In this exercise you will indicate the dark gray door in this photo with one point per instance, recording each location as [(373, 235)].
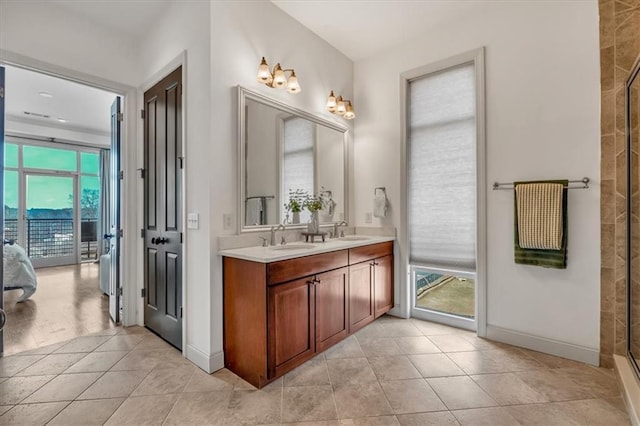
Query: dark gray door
[(115, 290), (163, 208)]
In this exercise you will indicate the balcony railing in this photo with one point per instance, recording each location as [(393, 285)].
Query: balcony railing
[(47, 238)]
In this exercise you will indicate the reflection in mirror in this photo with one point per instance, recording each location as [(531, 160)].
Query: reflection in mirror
[(288, 156), (633, 199)]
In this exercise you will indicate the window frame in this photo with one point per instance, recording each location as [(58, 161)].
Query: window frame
[(407, 273)]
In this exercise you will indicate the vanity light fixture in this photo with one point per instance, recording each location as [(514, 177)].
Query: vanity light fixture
[(278, 78), (339, 106)]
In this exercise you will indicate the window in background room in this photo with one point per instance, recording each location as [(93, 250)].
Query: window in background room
[(441, 193)]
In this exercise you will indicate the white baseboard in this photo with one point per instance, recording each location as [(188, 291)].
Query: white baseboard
[(630, 388), (208, 363), (542, 344)]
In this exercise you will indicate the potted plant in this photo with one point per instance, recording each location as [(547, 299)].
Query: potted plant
[(314, 204), (296, 203)]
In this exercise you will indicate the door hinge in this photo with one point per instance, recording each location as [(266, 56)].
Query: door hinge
[(181, 238), (1, 92), (143, 173), (142, 233), (120, 233), (143, 292), (142, 114), (120, 116), (120, 291), (121, 174), (181, 159), (180, 311)]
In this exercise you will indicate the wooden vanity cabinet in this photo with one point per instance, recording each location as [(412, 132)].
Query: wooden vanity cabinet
[(278, 315)]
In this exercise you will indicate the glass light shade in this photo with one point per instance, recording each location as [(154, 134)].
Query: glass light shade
[(342, 108), (292, 85), (264, 75), (331, 103), (349, 113), (279, 78)]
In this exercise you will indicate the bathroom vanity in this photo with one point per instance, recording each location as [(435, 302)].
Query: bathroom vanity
[(284, 304)]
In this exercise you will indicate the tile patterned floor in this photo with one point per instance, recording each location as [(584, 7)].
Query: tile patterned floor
[(392, 372)]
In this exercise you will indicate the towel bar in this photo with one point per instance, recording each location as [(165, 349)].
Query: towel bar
[(584, 181)]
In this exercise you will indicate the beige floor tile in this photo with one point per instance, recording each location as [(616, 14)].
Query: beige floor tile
[(480, 343), (493, 416), (378, 346), (86, 413), (200, 409), (553, 386), (460, 393), (411, 396), (230, 378), (152, 342), (44, 350), (416, 345), (593, 412), (599, 383), (393, 368), (508, 389), (32, 414), (513, 359), (135, 329), (316, 423), (143, 410), (348, 348), (540, 415), (121, 342), (452, 343), (5, 408), (371, 421), (551, 361), (114, 384), (617, 402), (65, 387), (350, 371), (434, 329), (82, 344), (400, 328), (52, 364), (200, 381), (16, 389), (255, 406), (435, 365), (361, 401), (12, 365), (107, 332), (441, 418), (374, 329), (308, 403), (140, 360), (165, 381), (312, 373), (96, 362), (477, 362)]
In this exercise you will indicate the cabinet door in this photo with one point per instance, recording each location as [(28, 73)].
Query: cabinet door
[(360, 295), (291, 337), (331, 307), (383, 279)]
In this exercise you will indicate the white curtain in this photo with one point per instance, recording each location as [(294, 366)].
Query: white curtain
[(103, 219), (297, 167), (442, 169)]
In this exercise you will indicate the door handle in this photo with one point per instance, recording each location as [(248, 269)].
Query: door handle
[(108, 236), (159, 240)]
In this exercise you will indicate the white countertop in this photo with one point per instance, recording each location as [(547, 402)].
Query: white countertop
[(301, 249)]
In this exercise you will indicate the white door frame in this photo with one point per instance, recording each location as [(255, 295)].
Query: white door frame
[(129, 264)]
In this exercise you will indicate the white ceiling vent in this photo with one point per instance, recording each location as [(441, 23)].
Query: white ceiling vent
[(35, 114)]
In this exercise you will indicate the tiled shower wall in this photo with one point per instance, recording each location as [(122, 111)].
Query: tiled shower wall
[(619, 48)]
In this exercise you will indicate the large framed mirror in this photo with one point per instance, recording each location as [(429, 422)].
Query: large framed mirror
[(286, 154), (633, 217)]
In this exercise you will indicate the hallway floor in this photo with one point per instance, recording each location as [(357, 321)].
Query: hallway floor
[(392, 372), (68, 303)]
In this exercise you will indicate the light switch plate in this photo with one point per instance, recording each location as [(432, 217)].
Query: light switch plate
[(192, 221)]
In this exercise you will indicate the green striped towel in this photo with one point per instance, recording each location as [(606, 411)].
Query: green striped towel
[(538, 257)]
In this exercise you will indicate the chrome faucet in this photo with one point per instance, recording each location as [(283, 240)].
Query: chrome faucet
[(273, 233), (335, 228)]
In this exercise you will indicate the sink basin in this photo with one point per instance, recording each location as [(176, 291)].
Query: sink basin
[(354, 238), (293, 247)]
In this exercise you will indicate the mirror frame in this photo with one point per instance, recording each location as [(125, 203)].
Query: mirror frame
[(245, 94)]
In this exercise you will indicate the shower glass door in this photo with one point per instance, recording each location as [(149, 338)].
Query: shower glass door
[(50, 225)]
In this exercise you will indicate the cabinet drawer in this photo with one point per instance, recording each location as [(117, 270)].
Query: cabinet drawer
[(372, 251), (287, 270)]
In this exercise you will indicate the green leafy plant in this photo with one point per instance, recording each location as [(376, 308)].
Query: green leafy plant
[(313, 203), (296, 201)]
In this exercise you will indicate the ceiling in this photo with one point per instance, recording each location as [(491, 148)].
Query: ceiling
[(82, 107), (362, 28)]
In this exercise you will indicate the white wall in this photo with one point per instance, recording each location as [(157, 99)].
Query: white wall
[(243, 32), (542, 108)]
